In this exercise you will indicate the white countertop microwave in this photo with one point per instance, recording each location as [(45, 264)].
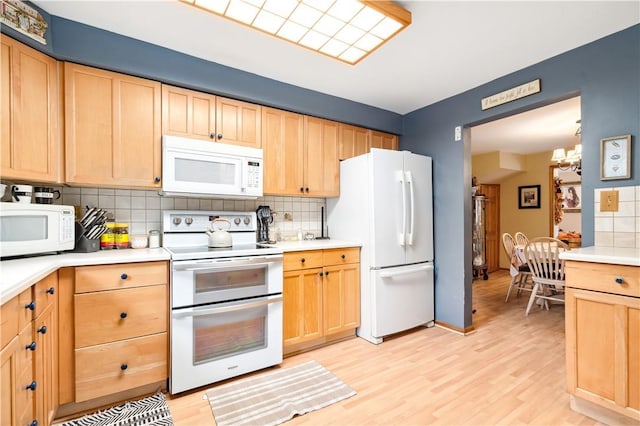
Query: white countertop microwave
[(35, 228), (199, 168)]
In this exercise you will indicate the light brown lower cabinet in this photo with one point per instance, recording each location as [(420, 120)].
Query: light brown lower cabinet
[(321, 297), (29, 362), (602, 318)]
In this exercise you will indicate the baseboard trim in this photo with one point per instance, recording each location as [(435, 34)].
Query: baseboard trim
[(599, 413), (462, 331)]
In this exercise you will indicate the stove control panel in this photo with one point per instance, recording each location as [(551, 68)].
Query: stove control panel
[(199, 221)]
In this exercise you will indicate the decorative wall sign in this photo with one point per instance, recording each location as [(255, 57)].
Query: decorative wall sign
[(509, 95), (615, 158), (24, 19)]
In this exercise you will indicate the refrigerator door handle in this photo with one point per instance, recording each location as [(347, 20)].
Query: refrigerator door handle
[(391, 274), (409, 179), (401, 237)]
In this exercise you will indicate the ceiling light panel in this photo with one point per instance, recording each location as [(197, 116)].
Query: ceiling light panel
[(347, 30)]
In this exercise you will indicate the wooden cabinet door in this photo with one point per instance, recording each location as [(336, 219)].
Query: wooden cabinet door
[(492, 226), (603, 349), (383, 140), (302, 293), (31, 145), (46, 365), (354, 141), (283, 143), (321, 166), (112, 128), (341, 297), (16, 373), (188, 113), (238, 123)]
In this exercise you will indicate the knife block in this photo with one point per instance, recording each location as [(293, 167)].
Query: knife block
[(84, 244)]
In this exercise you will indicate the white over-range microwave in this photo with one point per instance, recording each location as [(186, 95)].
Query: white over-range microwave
[(196, 168), (35, 228)]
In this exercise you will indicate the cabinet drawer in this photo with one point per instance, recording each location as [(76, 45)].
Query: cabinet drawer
[(119, 314), (123, 275), (302, 260), (602, 277), (46, 292), (115, 367), (14, 316), (341, 256)]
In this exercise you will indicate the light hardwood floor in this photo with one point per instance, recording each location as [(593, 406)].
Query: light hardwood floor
[(510, 371)]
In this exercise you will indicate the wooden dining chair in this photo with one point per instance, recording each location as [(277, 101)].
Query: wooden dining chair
[(521, 239), (519, 279), (547, 270)]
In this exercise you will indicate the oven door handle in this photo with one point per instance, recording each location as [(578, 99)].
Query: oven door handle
[(212, 264), (195, 312)]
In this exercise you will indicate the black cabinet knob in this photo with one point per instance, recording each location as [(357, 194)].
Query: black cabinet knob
[(156, 179), (301, 189), (124, 276), (43, 329), (123, 315), (51, 290), (320, 273), (32, 386), (31, 306), (619, 280), (31, 347), (343, 256), (34, 423), (306, 189), (124, 367), (303, 260), (219, 136), (326, 273)]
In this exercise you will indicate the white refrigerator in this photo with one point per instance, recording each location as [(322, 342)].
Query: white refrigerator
[(386, 203)]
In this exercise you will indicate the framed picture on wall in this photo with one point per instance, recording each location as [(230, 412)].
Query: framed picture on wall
[(615, 158), (529, 197), (571, 194)]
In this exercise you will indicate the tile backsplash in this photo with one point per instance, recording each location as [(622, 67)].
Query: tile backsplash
[(620, 228), (142, 210)]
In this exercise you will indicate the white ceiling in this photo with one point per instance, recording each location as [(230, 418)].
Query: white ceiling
[(450, 47)]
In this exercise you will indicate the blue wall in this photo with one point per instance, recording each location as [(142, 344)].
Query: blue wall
[(605, 73)]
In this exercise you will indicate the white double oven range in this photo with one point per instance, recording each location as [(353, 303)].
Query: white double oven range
[(226, 302)]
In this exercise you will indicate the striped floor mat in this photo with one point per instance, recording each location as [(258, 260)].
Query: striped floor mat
[(148, 411), (275, 397)]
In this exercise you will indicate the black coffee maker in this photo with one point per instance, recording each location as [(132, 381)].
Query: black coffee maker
[(265, 217)]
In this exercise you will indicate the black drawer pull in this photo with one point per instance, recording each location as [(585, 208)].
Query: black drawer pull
[(124, 276), (303, 260), (43, 329), (32, 386), (124, 367), (31, 347), (31, 306), (34, 423), (619, 280), (343, 256), (51, 290), (123, 315)]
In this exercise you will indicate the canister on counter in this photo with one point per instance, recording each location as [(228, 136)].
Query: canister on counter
[(108, 240), (121, 232)]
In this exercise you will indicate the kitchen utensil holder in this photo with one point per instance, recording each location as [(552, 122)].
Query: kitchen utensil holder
[(84, 244)]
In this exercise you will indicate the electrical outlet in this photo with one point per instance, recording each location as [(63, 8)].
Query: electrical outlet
[(609, 201), (457, 133)]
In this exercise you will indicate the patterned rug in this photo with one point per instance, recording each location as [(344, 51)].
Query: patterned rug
[(275, 397), (152, 410)]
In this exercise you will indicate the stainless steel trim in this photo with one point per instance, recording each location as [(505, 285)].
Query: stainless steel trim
[(194, 312)]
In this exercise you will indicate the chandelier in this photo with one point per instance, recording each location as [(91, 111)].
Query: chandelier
[(572, 159)]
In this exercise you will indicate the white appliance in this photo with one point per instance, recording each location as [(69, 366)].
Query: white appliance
[(192, 167), (226, 302), (386, 204), (27, 229)]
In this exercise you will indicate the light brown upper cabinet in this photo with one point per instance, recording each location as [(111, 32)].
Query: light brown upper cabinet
[(321, 166), (198, 115), (112, 132), (283, 150), (31, 131), (383, 140), (353, 141)]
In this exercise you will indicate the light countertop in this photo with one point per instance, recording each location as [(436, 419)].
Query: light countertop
[(313, 245), (597, 254), (17, 275)]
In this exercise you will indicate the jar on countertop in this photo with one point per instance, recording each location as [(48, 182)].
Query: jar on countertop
[(121, 232), (108, 239)]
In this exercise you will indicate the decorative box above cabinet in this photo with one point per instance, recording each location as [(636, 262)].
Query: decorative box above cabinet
[(112, 128), (198, 115), (31, 145)]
